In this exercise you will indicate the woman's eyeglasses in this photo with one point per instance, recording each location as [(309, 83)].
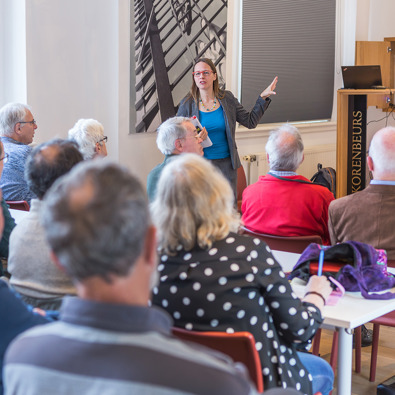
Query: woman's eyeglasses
[(206, 73)]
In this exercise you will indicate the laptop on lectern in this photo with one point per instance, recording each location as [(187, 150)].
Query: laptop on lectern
[(362, 77)]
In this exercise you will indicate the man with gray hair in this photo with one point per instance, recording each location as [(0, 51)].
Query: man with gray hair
[(175, 136), (283, 203), (368, 216), (17, 127), (108, 339), (89, 135), (33, 276)]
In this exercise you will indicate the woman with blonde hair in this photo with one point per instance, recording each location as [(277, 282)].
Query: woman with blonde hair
[(213, 279)]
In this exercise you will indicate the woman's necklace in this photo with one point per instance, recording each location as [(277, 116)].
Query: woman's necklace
[(209, 109)]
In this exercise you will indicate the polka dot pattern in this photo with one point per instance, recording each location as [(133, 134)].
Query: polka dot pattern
[(237, 285), (213, 251)]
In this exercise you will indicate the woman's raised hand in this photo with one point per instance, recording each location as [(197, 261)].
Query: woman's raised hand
[(270, 89)]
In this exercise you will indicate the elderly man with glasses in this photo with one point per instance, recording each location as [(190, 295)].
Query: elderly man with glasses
[(176, 136), (17, 128), (89, 135)]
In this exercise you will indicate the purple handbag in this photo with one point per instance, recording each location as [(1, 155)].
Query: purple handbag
[(363, 268)]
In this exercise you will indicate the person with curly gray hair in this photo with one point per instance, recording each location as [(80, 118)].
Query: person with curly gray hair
[(89, 135)]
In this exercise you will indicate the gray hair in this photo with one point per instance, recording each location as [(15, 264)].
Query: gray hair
[(194, 205), (96, 219), (49, 161), (381, 150), (86, 133), (285, 148), (168, 132), (10, 114)]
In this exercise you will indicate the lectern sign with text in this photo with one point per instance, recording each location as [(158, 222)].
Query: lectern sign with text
[(356, 155)]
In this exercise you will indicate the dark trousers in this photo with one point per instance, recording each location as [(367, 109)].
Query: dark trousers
[(225, 165)]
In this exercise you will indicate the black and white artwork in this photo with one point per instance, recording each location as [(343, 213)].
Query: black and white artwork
[(168, 36)]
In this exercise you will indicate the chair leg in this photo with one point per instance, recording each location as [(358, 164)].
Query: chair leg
[(375, 348), (357, 339), (316, 342), (335, 343)]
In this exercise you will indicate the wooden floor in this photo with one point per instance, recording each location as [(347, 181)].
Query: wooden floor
[(385, 361)]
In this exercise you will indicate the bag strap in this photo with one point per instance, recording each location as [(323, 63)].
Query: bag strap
[(297, 180)]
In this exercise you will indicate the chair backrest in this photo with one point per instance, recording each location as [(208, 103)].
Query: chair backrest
[(391, 262), (241, 185), (18, 205), (240, 346), (285, 243)]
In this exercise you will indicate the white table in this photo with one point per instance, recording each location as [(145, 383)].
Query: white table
[(350, 312), (18, 214)]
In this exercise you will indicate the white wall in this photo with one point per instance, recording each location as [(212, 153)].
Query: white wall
[(375, 21), (12, 51), (78, 67)]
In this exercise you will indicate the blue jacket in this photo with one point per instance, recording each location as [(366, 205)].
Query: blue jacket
[(15, 318), (233, 112)]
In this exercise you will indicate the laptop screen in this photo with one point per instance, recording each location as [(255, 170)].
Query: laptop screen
[(361, 77)]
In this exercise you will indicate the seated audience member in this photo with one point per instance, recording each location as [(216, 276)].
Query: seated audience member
[(33, 275), (9, 222), (17, 127), (14, 316), (108, 340), (283, 203), (177, 135), (213, 279), (368, 216), (89, 135)]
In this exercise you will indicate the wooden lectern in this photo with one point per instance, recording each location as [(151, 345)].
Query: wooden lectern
[(346, 183)]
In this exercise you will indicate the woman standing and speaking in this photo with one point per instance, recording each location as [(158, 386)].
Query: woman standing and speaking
[(218, 111)]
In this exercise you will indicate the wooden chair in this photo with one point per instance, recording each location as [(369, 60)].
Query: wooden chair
[(241, 185), (295, 244), (22, 205), (240, 346)]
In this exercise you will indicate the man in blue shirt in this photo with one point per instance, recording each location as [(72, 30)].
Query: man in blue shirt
[(17, 128)]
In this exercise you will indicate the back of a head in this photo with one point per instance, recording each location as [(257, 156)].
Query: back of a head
[(87, 132), (10, 114), (168, 132), (96, 218), (285, 148), (49, 161), (381, 150), (194, 204)]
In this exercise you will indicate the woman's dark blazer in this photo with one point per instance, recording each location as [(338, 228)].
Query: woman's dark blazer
[(233, 112)]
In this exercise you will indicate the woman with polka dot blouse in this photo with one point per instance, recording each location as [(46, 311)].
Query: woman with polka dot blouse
[(212, 279)]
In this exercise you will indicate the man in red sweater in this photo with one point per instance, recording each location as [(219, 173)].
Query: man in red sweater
[(283, 203)]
